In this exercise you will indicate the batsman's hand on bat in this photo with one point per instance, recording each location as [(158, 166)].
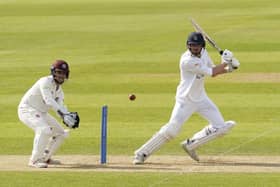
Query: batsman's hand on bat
[(227, 56), (230, 60), (70, 119)]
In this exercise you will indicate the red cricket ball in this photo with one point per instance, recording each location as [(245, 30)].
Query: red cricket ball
[(132, 97)]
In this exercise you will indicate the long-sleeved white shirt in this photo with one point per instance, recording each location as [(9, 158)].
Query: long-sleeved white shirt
[(193, 71), (44, 95)]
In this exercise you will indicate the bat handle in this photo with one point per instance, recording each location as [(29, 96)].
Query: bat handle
[(221, 52)]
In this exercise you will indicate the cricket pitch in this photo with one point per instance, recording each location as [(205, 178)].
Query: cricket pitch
[(123, 163)]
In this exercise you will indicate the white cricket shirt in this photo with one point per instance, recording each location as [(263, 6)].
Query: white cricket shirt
[(193, 71), (44, 95)]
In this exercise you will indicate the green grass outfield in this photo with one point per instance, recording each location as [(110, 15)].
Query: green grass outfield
[(119, 47), (45, 179)]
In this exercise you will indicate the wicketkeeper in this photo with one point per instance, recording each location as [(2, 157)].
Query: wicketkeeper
[(33, 110), (195, 65)]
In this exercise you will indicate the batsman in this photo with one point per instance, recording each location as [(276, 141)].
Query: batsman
[(195, 66), (33, 111)]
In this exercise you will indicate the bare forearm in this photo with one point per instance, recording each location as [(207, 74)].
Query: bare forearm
[(219, 69)]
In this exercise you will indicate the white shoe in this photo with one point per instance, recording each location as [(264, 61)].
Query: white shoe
[(191, 152), (38, 164), (139, 159)]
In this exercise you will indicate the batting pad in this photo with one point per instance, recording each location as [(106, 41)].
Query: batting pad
[(210, 135), (152, 145)]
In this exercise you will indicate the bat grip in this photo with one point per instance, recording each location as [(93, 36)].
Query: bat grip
[(221, 52)]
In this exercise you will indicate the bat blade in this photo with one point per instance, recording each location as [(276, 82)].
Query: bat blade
[(206, 36)]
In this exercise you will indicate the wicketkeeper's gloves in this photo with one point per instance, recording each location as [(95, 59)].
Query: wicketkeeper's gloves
[(70, 119)]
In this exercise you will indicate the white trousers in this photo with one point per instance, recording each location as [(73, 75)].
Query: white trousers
[(45, 127), (180, 114), (183, 110)]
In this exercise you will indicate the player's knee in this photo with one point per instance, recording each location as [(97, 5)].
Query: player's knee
[(65, 133), (170, 130), (62, 134), (228, 125), (44, 130)]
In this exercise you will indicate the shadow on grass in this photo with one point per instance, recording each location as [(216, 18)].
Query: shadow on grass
[(113, 167)]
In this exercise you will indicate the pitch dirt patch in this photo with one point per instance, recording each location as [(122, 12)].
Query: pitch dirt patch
[(179, 164)]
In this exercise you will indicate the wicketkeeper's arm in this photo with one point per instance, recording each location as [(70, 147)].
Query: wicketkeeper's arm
[(45, 89)]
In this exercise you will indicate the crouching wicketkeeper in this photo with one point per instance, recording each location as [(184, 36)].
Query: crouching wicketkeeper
[(33, 109)]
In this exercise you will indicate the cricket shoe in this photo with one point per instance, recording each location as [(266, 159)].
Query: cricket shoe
[(38, 164), (139, 159), (191, 152)]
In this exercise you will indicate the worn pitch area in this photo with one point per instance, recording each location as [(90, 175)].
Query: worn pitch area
[(179, 164)]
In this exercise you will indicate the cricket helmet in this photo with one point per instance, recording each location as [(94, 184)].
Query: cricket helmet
[(60, 65), (196, 38)]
